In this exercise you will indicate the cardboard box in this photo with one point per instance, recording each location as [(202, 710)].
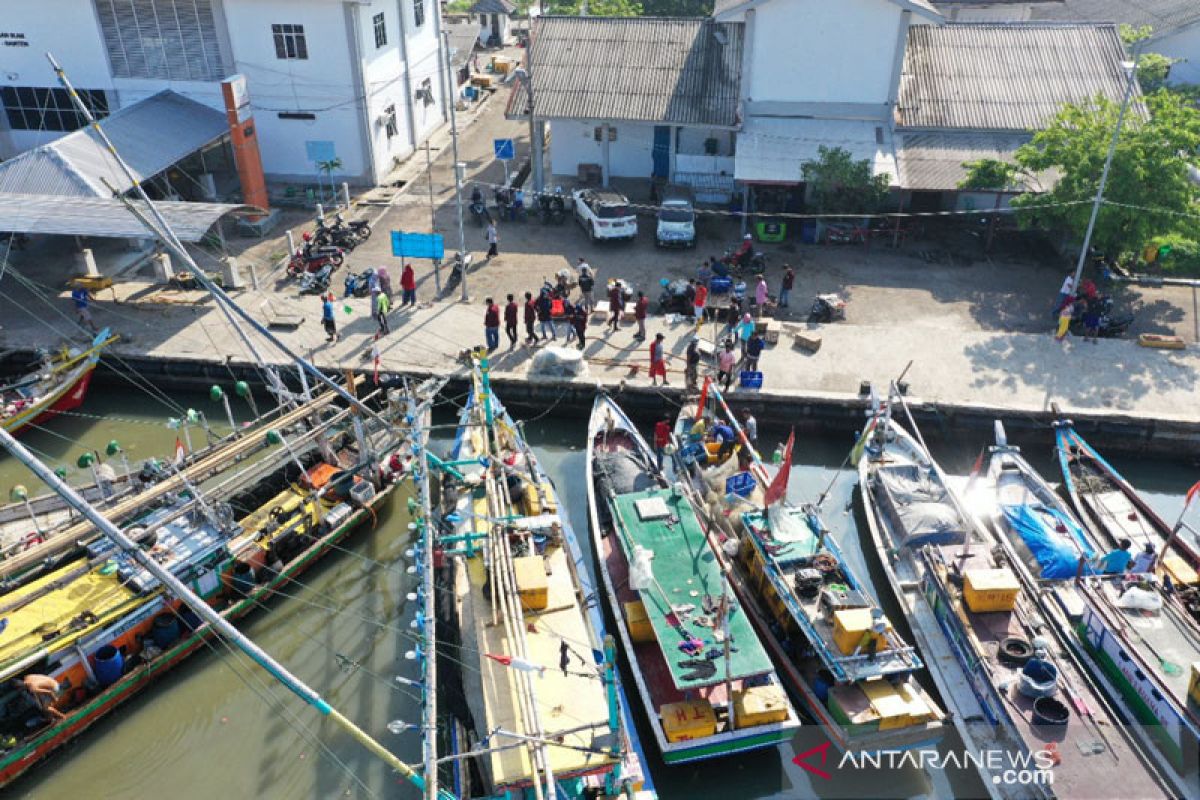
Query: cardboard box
[(990, 589), (689, 719), (640, 629), (759, 705), (532, 584), (850, 625)]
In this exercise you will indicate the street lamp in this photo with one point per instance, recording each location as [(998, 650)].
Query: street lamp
[(1131, 79)]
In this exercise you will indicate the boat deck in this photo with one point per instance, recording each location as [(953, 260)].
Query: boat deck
[(687, 571)]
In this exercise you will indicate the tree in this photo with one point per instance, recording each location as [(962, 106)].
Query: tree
[(838, 184), (677, 8), (1148, 190), (596, 8), (1152, 67)]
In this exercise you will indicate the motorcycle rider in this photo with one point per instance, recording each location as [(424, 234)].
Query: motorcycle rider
[(743, 255)]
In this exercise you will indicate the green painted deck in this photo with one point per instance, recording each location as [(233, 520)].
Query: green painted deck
[(687, 570)]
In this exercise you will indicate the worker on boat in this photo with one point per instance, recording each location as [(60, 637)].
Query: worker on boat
[(874, 639), (1115, 562), (1144, 562), (723, 434), (44, 692)]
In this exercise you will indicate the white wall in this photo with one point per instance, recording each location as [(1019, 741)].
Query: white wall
[(1183, 44), (573, 143), (821, 51)]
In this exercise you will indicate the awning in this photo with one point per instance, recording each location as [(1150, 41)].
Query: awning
[(150, 136), (104, 217), (773, 149), (934, 161)]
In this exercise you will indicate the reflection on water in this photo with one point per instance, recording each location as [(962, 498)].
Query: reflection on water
[(215, 724)]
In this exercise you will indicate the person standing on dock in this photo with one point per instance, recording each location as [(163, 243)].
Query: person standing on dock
[(726, 361), (587, 286), (616, 305), (385, 281), (530, 318), (493, 240), (761, 296), (785, 287), (545, 320), (510, 321), (82, 299), (328, 320), (698, 302), (754, 349), (491, 324), (639, 313), (408, 287), (658, 361), (381, 307), (692, 369), (580, 320)]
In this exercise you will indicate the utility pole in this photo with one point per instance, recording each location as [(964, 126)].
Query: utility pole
[(1112, 149), (437, 265), (462, 236), (536, 132)]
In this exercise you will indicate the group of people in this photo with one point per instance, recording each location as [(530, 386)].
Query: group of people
[(1085, 303), (379, 292)]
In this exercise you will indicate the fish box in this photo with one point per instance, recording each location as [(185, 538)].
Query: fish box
[(896, 706), (640, 629), (849, 627), (1180, 571), (990, 589), (1194, 684), (688, 719), (759, 705), (532, 584)]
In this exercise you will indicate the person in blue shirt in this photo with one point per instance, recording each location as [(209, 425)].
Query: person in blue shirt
[(722, 433), (1115, 562), (82, 299), (328, 320)]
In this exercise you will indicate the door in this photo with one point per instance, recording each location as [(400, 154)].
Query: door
[(662, 152), (496, 28)]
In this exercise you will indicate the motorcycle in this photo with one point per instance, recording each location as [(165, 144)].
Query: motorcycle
[(308, 260), (675, 297), (750, 261), (1111, 325), (358, 285), (359, 227), (827, 308), (552, 209), (316, 282), (337, 235)]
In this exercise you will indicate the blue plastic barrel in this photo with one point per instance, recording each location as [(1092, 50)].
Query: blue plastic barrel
[(243, 578), (108, 664), (165, 631)]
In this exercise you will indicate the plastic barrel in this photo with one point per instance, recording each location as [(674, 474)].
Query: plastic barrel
[(1048, 711), (108, 664), (243, 578), (165, 631)]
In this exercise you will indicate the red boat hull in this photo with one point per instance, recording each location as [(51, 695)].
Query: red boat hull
[(68, 401)]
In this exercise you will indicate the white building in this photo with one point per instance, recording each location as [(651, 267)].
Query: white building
[(359, 81)]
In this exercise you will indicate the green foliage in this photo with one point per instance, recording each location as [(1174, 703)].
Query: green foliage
[(990, 174), (1152, 67), (596, 8), (1131, 35), (840, 185), (1182, 255), (459, 6), (1148, 189), (677, 8)]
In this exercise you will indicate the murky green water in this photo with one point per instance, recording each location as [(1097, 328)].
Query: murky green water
[(214, 726)]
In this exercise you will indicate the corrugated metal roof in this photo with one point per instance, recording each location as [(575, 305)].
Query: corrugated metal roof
[(934, 161), (463, 39), (150, 135), (103, 216), (493, 7), (1161, 15), (1013, 76), (773, 150), (647, 69)]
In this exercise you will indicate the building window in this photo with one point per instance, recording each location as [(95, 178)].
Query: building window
[(598, 133), (418, 12), (289, 42), (37, 109), (380, 30), (165, 39)]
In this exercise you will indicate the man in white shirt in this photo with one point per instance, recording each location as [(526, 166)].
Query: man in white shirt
[(1144, 561)]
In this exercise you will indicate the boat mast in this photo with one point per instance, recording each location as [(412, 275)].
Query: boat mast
[(207, 613), (429, 628)]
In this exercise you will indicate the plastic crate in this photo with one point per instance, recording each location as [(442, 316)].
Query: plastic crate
[(719, 285), (750, 380)]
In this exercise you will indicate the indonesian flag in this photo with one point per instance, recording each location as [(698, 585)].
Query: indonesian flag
[(180, 452), (703, 398), (778, 487)]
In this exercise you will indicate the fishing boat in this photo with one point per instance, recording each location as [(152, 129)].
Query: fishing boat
[(58, 384), (704, 678), (1048, 551), (542, 689), (804, 599), (102, 626)]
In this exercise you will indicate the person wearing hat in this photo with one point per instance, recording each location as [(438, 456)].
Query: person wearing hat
[(658, 361), (1144, 561)]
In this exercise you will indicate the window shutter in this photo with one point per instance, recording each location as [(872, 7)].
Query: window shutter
[(166, 39)]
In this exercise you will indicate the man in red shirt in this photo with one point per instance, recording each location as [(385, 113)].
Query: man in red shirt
[(662, 437), (530, 318), (510, 322), (408, 287), (658, 361), (698, 303), (491, 324), (639, 313), (616, 305)]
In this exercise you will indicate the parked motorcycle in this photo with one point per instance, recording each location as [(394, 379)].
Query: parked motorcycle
[(358, 285), (677, 297), (744, 261), (552, 208), (316, 282), (359, 227), (1112, 325), (337, 235), (827, 308), (307, 260)]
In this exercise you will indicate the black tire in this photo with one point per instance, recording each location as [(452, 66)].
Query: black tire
[(592, 232), (364, 232), (337, 259)]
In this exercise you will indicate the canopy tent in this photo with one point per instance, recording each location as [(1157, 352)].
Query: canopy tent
[(106, 217)]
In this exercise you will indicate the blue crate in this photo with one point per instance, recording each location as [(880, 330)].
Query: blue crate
[(719, 285), (750, 380)]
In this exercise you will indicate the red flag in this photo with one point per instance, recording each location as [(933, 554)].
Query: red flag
[(1191, 494), (703, 397), (180, 451), (778, 487)]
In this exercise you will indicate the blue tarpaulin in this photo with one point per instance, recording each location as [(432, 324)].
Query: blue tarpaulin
[(1053, 538), (418, 245)]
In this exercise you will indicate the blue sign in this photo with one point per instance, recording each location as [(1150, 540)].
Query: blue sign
[(317, 151), (741, 484), (418, 245), (505, 150)]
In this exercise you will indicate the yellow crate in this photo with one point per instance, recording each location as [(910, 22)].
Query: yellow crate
[(1180, 571), (689, 719), (990, 589), (897, 707), (547, 499), (849, 626), (640, 629), (532, 584), (532, 500), (759, 705), (1194, 684)]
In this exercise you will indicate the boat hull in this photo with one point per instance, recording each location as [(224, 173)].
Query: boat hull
[(68, 398)]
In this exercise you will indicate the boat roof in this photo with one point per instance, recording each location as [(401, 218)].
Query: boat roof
[(663, 521)]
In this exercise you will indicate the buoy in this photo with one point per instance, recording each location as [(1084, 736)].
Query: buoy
[(61, 472), (18, 494), (113, 448), (242, 388), (85, 460), (273, 437), (216, 393)]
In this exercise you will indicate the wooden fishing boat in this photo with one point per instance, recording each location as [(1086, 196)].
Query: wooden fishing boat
[(1045, 547), (807, 604), (58, 384), (705, 679), (542, 689), (102, 627)]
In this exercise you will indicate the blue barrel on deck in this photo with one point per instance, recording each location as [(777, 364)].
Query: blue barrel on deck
[(165, 631), (108, 664)]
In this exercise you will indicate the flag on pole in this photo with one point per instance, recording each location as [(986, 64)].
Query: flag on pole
[(778, 487), (703, 397), (180, 452)]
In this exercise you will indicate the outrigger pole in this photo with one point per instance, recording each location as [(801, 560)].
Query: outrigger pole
[(160, 228), (207, 613)]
